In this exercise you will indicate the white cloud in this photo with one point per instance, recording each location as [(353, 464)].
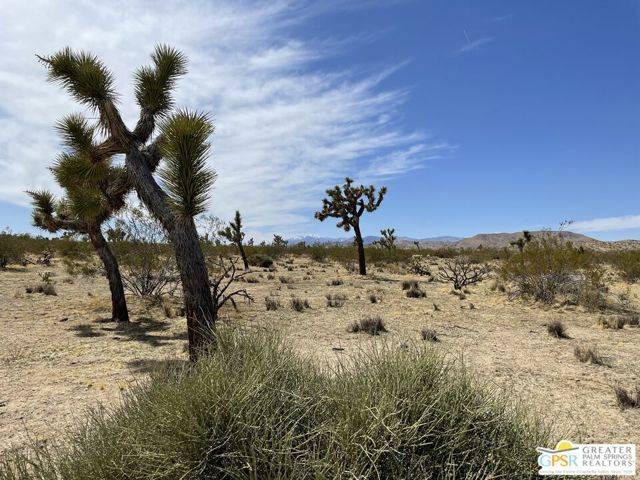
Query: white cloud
[(606, 224), (475, 44), (285, 130)]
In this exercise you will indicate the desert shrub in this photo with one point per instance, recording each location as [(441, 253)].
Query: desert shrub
[(285, 279), (429, 334), (373, 298), (549, 267), (335, 282), (255, 409), (617, 322), (588, 355), (371, 325), (335, 300), (418, 266), (462, 271), (407, 284), (299, 304), (147, 264), (271, 276), (556, 329), (626, 398), (627, 264), (271, 303), (46, 286), (415, 292), (260, 260), (12, 249)]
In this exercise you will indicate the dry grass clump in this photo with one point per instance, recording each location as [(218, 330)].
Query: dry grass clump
[(371, 325), (256, 409), (617, 322), (271, 303), (299, 304), (588, 355), (408, 284), (335, 282), (429, 334), (285, 280), (557, 329), (497, 285), (335, 300), (627, 398), (415, 292), (373, 298)]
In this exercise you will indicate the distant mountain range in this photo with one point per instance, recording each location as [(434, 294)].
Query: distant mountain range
[(488, 240)]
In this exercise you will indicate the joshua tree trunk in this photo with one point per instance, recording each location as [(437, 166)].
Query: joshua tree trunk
[(360, 245), (119, 312), (243, 255), (182, 232)]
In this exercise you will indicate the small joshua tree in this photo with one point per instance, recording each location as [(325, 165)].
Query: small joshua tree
[(83, 211), (523, 240), (182, 144), (388, 238), (348, 203), (235, 235)]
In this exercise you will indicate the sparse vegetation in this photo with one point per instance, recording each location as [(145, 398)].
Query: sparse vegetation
[(462, 271), (371, 325), (588, 354), (336, 423), (627, 398), (429, 335), (299, 304), (271, 303), (335, 300), (557, 329), (234, 234), (415, 292)]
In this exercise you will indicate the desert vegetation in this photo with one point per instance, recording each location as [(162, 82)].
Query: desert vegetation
[(349, 368)]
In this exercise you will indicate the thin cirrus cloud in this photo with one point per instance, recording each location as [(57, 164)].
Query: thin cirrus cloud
[(608, 224), (285, 129), (470, 46)]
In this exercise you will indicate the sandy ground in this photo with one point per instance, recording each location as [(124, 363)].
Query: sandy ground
[(58, 357)]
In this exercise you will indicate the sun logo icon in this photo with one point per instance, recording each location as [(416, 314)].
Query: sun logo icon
[(559, 457)]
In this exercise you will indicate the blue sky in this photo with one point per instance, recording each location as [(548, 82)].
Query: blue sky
[(478, 116)]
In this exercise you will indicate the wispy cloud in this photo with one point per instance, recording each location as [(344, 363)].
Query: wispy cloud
[(502, 18), (475, 44), (607, 224), (285, 130)]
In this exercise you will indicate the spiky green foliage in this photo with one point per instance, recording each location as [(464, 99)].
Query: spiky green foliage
[(73, 171), (388, 238), (77, 133), (184, 145), (155, 84), (83, 75), (254, 409), (348, 203), (233, 233)]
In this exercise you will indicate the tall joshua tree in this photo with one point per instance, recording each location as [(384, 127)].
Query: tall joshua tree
[(348, 203), (235, 235), (388, 238), (83, 211), (182, 144)]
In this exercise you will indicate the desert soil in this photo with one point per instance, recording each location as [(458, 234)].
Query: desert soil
[(59, 357)]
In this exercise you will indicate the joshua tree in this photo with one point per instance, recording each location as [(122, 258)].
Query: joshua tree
[(279, 242), (417, 244), (182, 145), (83, 211), (388, 238), (523, 240), (348, 203), (235, 235)]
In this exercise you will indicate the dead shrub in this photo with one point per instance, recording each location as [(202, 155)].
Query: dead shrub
[(627, 398), (415, 292), (462, 271), (299, 304), (557, 329), (588, 355), (335, 300), (271, 303), (428, 334), (371, 325)]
